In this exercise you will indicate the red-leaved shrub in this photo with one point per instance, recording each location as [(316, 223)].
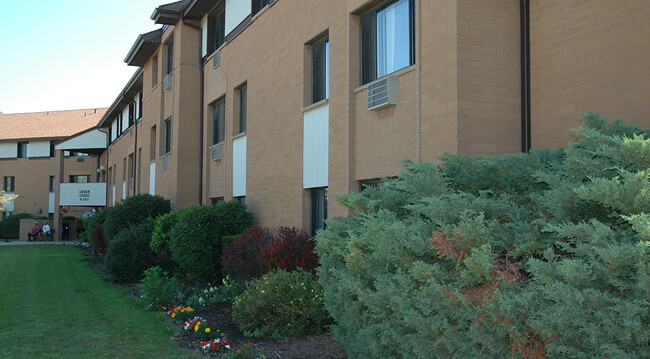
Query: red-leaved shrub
[(258, 252), (98, 239)]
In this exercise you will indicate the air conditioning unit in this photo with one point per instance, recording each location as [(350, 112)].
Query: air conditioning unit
[(130, 182), (164, 162), (216, 59), (216, 152), (167, 81), (382, 93)]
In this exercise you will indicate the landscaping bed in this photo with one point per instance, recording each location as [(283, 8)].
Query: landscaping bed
[(316, 346)]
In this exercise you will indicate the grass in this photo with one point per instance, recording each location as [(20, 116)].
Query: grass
[(53, 306)]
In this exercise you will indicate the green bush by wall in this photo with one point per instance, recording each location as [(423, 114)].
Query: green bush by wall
[(132, 210), (530, 256), (129, 254)]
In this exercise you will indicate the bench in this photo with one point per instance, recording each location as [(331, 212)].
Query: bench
[(36, 237)]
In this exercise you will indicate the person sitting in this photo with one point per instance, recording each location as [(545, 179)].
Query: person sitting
[(36, 230), (47, 231)]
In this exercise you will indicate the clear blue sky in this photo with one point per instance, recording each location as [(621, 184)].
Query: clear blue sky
[(67, 54)]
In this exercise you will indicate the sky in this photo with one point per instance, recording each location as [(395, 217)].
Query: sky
[(68, 54)]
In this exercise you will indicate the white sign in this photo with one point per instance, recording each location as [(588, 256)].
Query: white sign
[(83, 194)]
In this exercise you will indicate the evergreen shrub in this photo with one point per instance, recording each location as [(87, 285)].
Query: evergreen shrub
[(195, 240), (129, 254), (10, 226), (526, 256), (281, 304), (133, 210)]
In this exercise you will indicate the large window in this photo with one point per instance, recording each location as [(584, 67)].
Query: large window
[(168, 135), (318, 209), (170, 56), (216, 29), (22, 149), (320, 70), (51, 189), (243, 108), (80, 179), (218, 122), (154, 71), (9, 184), (387, 39), (257, 5)]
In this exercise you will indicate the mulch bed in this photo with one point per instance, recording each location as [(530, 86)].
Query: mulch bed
[(317, 346)]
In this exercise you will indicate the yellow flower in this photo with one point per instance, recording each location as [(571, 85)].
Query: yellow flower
[(173, 314), (207, 330), (196, 328)]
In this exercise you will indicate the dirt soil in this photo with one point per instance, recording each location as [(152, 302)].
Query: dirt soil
[(308, 347)]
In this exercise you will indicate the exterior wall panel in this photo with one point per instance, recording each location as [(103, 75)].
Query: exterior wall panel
[(8, 149), (316, 147), (39, 149), (236, 12), (239, 167)]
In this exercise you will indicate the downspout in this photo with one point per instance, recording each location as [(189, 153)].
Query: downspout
[(201, 100), (524, 12)]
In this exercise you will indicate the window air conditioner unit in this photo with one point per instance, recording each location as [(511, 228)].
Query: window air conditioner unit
[(382, 93), (164, 162), (216, 152), (167, 81), (216, 59)]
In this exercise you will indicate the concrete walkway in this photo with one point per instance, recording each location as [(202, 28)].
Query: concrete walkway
[(23, 243)]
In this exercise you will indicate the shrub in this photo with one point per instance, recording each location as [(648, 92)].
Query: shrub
[(158, 288), (195, 240), (537, 255), (243, 259), (258, 251), (98, 240), (10, 226), (92, 222), (163, 226), (133, 210), (129, 254), (281, 304)]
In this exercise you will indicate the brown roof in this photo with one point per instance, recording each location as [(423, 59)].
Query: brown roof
[(52, 124)]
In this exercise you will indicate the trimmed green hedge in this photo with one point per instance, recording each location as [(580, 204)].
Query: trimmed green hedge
[(129, 254), (133, 210), (527, 255)]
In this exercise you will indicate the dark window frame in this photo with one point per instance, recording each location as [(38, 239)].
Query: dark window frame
[(139, 114), (9, 184), (320, 70), (216, 29), (76, 178), (243, 109), (52, 183), (168, 135), (22, 149), (219, 122), (257, 5), (318, 209), (170, 56), (368, 45)]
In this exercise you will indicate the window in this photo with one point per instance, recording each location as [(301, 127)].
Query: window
[(168, 135), (216, 29), (52, 149), (170, 56), (154, 71), (9, 184), (216, 200), (318, 209), (320, 70), (364, 185), (51, 184), (139, 115), (130, 169), (243, 115), (80, 179), (152, 144), (218, 122), (257, 5), (241, 200), (131, 114), (22, 149), (387, 39)]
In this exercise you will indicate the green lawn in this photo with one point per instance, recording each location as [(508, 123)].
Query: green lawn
[(53, 306)]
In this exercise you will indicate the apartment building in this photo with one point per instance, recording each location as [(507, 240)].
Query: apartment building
[(28, 163), (281, 104)]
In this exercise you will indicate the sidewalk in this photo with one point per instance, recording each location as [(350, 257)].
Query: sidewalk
[(23, 243)]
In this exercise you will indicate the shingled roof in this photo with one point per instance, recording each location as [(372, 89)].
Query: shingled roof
[(50, 125)]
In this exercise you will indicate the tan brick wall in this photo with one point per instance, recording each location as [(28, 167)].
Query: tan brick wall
[(32, 178), (587, 55)]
